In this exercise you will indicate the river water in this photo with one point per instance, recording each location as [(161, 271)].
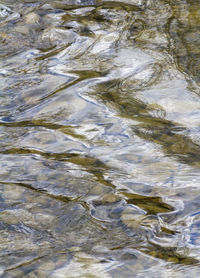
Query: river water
[(100, 138)]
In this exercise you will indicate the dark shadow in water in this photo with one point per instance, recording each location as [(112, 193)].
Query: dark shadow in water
[(183, 28), (42, 191), (91, 164), (169, 254), (152, 205), (151, 128)]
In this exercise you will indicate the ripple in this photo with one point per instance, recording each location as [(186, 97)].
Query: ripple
[(99, 152)]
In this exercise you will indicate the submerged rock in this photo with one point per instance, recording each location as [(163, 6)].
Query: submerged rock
[(58, 36), (4, 11), (31, 18)]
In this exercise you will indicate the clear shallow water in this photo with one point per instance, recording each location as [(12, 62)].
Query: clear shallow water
[(99, 127)]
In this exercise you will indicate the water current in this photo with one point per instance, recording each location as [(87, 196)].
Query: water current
[(100, 138)]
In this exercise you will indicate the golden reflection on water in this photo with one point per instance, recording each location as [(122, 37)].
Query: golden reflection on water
[(99, 128)]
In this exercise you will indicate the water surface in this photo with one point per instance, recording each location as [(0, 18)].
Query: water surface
[(100, 138)]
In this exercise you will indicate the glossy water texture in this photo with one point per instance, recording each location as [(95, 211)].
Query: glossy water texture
[(100, 138)]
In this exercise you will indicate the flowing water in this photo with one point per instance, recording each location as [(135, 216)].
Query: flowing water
[(100, 138)]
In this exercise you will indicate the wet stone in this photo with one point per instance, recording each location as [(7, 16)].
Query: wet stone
[(31, 18), (58, 36), (110, 198), (4, 11), (131, 220)]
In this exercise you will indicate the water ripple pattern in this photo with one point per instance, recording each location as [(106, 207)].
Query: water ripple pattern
[(100, 138)]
